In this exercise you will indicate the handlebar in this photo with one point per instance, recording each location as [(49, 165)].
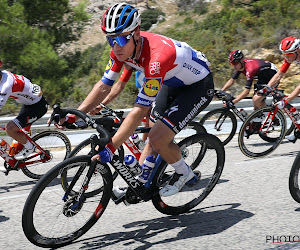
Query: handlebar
[(63, 112), (223, 95)]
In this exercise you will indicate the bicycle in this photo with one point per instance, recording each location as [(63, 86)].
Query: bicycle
[(222, 121), (111, 121), (265, 128), (54, 217), (51, 147)]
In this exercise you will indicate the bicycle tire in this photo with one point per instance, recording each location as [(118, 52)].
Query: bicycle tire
[(210, 165), (290, 129), (59, 147), (254, 142), (84, 148), (220, 122), (294, 179), (50, 221)]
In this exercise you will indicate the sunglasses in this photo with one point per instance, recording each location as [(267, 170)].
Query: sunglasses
[(288, 54), (121, 40)]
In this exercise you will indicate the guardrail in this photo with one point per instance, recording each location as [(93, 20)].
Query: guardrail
[(246, 104)]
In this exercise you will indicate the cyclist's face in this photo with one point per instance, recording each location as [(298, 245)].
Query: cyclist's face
[(290, 57), (123, 52), (237, 66)]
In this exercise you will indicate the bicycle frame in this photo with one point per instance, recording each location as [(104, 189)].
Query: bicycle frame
[(13, 163)]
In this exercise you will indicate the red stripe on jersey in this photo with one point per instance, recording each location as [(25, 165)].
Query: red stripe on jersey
[(19, 82)]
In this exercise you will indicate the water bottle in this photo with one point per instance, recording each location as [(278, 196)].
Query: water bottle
[(243, 113), (147, 168), (137, 141), (133, 165), (296, 113), (13, 147), (3, 144)]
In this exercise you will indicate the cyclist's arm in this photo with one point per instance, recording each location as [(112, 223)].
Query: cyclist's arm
[(96, 96), (276, 78), (294, 94), (241, 96), (228, 84)]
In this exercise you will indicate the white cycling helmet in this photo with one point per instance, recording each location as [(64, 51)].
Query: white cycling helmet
[(120, 18), (289, 44)]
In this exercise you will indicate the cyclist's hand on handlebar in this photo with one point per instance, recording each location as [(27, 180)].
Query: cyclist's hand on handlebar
[(265, 90), (281, 104), (106, 155), (64, 122)]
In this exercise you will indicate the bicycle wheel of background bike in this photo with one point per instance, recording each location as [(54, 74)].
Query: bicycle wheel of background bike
[(56, 144), (294, 179), (257, 140), (220, 122), (85, 148), (210, 167), (52, 220)]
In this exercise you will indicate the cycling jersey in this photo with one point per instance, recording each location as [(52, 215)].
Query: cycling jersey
[(256, 69), (285, 66), (19, 88), (163, 61)]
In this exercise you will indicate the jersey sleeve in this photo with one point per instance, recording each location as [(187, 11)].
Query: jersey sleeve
[(285, 66), (112, 70), (154, 75), (236, 75), (6, 91), (126, 74)]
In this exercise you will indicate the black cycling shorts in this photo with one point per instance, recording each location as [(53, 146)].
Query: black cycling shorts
[(177, 106), (30, 113)]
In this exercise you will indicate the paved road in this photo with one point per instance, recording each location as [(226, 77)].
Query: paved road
[(250, 204)]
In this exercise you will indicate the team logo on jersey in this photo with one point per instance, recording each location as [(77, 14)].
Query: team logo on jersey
[(154, 68), (109, 65), (151, 87)]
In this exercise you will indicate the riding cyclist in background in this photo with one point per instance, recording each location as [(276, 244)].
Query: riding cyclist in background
[(34, 107), (290, 47), (258, 69), (177, 78)]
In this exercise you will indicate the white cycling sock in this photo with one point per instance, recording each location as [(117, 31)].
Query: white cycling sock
[(28, 145), (181, 167)]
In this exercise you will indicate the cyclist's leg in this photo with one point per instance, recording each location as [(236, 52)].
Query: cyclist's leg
[(28, 114), (173, 118)]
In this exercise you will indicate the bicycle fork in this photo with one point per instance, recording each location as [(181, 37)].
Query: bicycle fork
[(84, 186)]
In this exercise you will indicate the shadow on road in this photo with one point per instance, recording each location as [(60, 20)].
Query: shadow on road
[(200, 222), (3, 218)]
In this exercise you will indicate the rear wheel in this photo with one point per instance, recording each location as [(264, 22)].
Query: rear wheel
[(259, 134), (53, 219), (220, 122), (209, 167), (56, 144)]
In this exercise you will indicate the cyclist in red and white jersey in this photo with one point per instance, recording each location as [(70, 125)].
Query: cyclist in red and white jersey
[(290, 48), (34, 106), (258, 69), (177, 78)]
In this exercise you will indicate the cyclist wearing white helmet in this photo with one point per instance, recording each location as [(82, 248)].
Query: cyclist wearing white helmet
[(290, 48), (177, 78)]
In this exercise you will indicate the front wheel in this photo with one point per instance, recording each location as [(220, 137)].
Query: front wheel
[(260, 134), (51, 218), (294, 179), (56, 144), (220, 122), (208, 167)]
